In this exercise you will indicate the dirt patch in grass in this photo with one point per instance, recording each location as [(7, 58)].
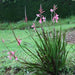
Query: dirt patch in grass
[(70, 36)]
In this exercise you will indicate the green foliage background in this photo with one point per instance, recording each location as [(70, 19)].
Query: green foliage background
[(13, 10)]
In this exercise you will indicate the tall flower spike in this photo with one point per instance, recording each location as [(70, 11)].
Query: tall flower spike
[(55, 7), (25, 15), (41, 10)]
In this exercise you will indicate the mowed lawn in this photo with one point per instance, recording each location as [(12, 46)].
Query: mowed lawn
[(25, 36), (12, 45)]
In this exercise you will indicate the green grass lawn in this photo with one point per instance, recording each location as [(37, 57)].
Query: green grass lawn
[(22, 25), (24, 35)]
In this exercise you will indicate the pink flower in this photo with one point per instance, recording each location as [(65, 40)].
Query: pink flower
[(16, 58), (55, 18), (51, 10), (19, 41), (38, 15), (40, 21), (10, 57), (54, 8), (33, 26), (3, 40), (11, 54), (44, 19)]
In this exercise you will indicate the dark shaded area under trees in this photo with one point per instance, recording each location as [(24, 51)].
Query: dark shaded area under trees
[(14, 10)]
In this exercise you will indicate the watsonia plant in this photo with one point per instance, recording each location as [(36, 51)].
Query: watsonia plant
[(51, 53)]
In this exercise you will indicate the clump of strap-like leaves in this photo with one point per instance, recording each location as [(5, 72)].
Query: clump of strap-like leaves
[(51, 53)]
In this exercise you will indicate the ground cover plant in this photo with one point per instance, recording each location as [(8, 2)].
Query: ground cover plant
[(43, 59)]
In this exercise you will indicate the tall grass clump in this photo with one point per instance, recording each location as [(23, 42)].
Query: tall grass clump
[(51, 54)]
